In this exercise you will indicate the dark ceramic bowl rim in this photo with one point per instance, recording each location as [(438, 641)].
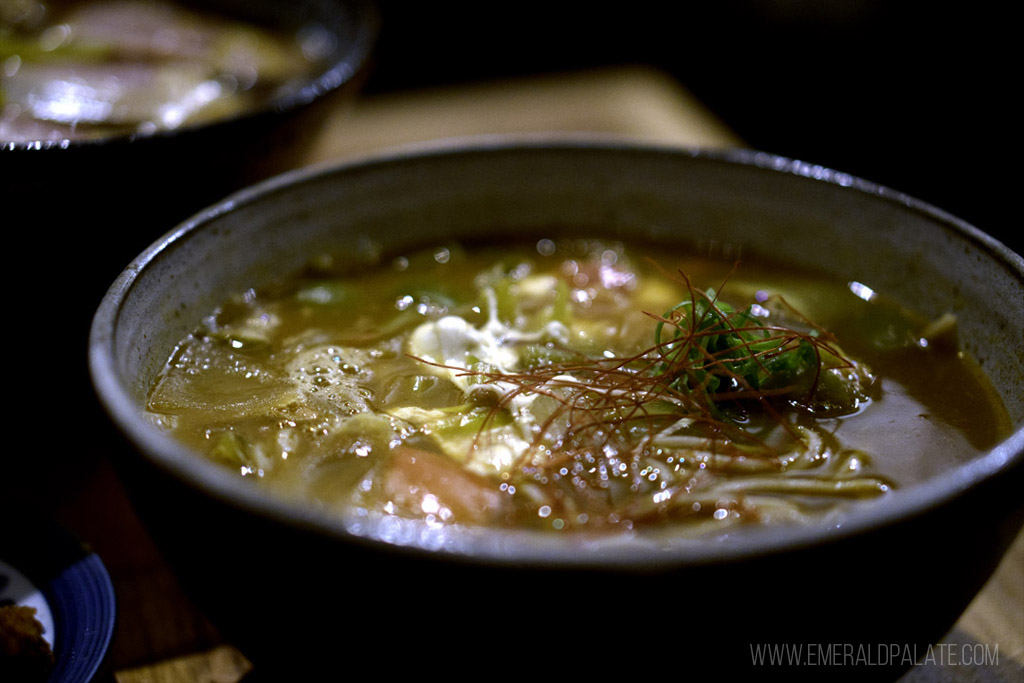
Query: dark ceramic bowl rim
[(513, 547), (341, 69)]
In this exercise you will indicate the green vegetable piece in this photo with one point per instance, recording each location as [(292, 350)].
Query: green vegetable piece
[(434, 295), (231, 450), (537, 355), (533, 301), (714, 350)]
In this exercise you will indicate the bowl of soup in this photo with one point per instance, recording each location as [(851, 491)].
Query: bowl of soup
[(597, 404), (143, 111), (120, 118)]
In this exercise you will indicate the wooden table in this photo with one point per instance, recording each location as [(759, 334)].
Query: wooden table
[(163, 638)]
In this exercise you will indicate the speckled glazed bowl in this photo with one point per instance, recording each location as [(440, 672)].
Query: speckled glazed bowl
[(293, 586)]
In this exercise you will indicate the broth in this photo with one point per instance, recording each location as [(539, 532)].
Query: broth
[(575, 385)]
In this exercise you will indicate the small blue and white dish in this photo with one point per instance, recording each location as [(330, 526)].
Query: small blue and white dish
[(43, 566)]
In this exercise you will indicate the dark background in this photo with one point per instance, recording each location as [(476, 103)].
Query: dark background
[(913, 95)]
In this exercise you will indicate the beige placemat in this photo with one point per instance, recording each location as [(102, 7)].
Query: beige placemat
[(634, 102)]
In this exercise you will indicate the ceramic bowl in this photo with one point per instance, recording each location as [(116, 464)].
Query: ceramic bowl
[(81, 210), (293, 585), (108, 197)]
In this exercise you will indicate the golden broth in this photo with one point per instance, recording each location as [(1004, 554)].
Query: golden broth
[(525, 385)]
